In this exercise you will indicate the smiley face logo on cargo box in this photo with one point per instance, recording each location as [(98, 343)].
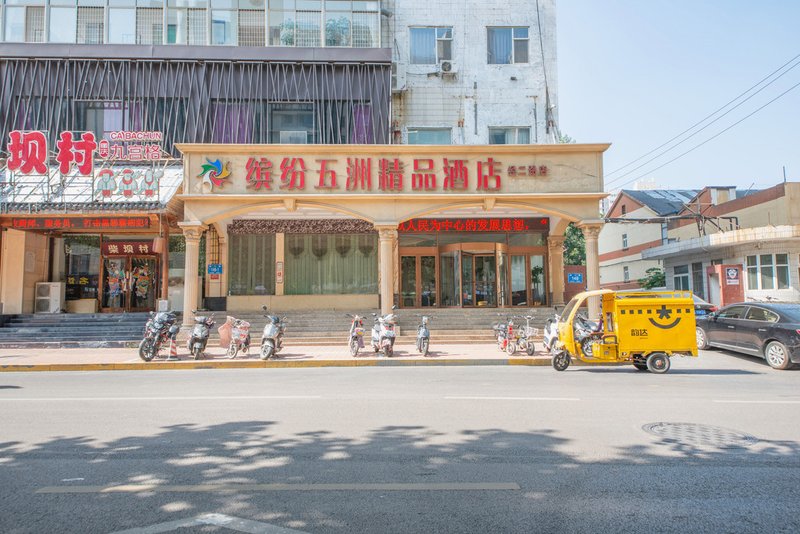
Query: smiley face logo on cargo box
[(664, 314)]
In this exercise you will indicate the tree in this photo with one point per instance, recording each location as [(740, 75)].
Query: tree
[(574, 246), (566, 139), (653, 277)]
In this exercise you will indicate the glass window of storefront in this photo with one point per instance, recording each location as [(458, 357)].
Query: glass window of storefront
[(252, 264), (82, 266), (325, 264)]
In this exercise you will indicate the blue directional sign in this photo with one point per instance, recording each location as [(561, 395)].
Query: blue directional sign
[(214, 268), (575, 278)]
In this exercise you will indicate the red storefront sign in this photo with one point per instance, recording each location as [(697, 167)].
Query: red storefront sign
[(126, 248), (80, 223), (476, 225)]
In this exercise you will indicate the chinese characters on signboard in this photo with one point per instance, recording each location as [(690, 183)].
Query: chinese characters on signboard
[(80, 223), (126, 248), (473, 224)]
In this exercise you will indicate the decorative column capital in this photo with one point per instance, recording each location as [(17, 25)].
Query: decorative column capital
[(591, 229), (555, 243), (192, 230), (386, 232)]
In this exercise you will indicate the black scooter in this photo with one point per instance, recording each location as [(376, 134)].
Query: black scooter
[(199, 338)]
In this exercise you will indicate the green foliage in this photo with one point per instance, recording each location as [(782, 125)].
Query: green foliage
[(653, 277), (574, 246), (566, 139)]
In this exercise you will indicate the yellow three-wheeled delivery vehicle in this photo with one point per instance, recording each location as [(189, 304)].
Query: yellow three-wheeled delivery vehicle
[(644, 328)]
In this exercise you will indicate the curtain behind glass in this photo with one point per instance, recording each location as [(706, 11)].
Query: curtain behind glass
[(251, 263), (423, 46), (331, 264), (500, 45)]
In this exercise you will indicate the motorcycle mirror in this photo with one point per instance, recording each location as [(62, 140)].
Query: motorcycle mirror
[(394, 306)]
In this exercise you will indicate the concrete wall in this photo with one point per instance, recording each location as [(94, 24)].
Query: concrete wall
[(505, 95), (24, 263)]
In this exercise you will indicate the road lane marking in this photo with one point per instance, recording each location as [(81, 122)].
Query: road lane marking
[(139, 399), (208, 488), (219, 520), (728, 401), (566, 399)]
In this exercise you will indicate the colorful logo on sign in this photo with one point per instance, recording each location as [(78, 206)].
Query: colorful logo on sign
[(214, 174)]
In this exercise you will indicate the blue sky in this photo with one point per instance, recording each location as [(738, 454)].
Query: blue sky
[(635, 73)]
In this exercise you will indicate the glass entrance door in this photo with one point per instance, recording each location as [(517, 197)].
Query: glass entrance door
[(485, 280), (418, 280), (130, 283)]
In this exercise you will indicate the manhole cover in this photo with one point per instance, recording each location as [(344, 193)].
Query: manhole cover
[(700, 435)]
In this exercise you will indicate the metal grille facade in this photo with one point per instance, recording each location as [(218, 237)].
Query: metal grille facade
[(34, 24), (198, 101), (90, 25), (149, 25), (252, 27)]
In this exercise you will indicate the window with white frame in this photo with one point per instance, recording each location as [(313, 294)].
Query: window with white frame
[(429, 46), (768, 271), (507, 45), (624, 241), (429, 136), (626, 274), (510, 136), (91, 25), (680, 277), (149, 25), (188, 25)]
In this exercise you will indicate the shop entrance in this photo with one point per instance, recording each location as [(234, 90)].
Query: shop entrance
[(129, 283)]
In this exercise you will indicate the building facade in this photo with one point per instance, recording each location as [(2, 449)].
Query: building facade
[(746, 246), (472, 72), (636, 224)]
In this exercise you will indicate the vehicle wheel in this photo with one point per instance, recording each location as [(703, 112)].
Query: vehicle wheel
[(233, 349), (777, 356), (146, 349), (561, 361), (702, 340), (586, 347), (354, 347), (658, 363), (511, 348), (423, 346), (531, 350), (196, 352), (267, 351)]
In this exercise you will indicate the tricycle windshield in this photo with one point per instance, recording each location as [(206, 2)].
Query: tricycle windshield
[(568, 308)]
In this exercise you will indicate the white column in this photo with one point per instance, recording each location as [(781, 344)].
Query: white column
[(555, 244), (387, 236), (192, 232), (590, 234)]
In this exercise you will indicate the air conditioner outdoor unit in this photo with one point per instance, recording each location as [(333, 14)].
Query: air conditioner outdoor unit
[(294, 137), (448, 67), (398, 78), (49, 297)]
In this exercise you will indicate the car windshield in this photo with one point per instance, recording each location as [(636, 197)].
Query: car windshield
[(792, 312)]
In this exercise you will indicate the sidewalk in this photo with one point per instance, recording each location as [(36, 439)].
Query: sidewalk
[(119, 359)]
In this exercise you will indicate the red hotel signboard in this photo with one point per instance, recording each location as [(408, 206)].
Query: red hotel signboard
[(80, 223), (476, 224)]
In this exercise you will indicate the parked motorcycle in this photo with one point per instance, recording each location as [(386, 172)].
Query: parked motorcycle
[(160, 328), (383, 334), (199, 339), (504, 332), (240, 337), (272, 336), (355, 338), (524, 337), (586, 333), (423, 336)]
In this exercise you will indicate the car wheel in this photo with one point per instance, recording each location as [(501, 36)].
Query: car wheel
[(658, 363), (702, 340), (777, 355)]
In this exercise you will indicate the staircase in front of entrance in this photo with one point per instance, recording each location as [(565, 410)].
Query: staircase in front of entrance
[(323, 327)]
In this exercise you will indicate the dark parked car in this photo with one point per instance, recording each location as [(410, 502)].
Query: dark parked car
[(767, 330), (702, 307)]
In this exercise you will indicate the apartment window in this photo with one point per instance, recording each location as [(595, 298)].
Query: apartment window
[(251, 27), (122, 25), (624, 241), (429, 46), (101, 118), (187, 26), (626, 274), (624, 209), (149, 25), (90, 25), (664, 234), (510, 136), (366, 20), (338, 23), (681, 277), (507, 45), (768, 271), (224, 26), (429, 136), (292, 123), (63, 22), (698, 275)]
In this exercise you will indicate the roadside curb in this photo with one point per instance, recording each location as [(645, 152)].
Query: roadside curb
[(187, 365)]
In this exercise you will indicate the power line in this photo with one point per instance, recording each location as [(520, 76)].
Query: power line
[(714, 113), (712, 137)]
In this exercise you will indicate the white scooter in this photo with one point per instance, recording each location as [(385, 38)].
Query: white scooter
[(551, 332), (383, 334), (272, 336)]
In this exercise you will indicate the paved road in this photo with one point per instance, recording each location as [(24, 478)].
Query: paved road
[(462, 449)]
